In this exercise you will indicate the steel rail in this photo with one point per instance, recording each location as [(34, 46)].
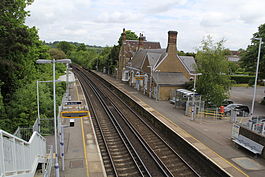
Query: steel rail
[(119, 130), (100, 129), (110, 91), (141, 140)]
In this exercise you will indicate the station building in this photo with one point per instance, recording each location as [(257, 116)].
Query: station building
[(152, 70)]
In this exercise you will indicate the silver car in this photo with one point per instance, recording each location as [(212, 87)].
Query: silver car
[(241, 110)]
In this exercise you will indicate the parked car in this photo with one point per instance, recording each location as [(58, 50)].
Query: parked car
[(241, 110), (227, 102)]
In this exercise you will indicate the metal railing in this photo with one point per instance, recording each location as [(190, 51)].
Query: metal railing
[(48, 168), (18, 156)]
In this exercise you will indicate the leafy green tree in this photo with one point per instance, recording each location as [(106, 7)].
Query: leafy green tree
[(249, 56), (20, 47), (16, 39), (56, 53), (214, 84), (85, 58), (81, 47), (130, 35), (66, 47), (233, 67)]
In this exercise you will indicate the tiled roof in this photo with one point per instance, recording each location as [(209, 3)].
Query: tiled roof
[(153, 55), (131, 46), (189, 63), (169, 78)]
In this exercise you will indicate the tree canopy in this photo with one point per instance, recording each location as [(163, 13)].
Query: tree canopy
[(20, 47), (249, 56), (214, 84)]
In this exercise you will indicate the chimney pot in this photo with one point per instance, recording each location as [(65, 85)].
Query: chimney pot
[(123, 35), (172, 40)]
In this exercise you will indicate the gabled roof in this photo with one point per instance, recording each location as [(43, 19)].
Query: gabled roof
[(131, 46), (152, 55), (189, 63), (169, 78)]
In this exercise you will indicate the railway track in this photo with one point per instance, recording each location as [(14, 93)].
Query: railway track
[(144, 152)]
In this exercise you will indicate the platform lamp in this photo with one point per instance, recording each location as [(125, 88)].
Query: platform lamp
[(53, 61), (193, 95), (256, 78)]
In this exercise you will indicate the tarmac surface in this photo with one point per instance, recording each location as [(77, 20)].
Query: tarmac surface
[(214, 133), (244, 95)]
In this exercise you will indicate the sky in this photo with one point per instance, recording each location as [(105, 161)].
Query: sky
[(100, 22)]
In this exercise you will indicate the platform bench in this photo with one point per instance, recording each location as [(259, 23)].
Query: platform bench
[(249, 144)]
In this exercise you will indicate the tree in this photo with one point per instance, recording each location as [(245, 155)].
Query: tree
[(214, 84), (81, 47), (16, 39), (56, 53), (130, 35), (66, 47), (20, 47), (248, 58)]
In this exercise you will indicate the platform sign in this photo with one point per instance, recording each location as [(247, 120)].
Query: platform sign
[(74, 114), (139, 77), (73, 103)]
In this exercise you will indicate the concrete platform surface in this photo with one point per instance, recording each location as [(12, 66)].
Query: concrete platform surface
[(81, 151), (214, 134)]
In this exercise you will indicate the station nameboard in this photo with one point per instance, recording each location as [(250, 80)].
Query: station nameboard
[(73, 103), (74, 114)]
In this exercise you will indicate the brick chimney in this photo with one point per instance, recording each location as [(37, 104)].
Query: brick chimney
[(141, 41), (123, 35), (172, 42)]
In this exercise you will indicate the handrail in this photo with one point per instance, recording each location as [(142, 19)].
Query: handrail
[(47, 172), (18, 156)]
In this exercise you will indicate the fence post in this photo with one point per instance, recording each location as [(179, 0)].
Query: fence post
[(2, 160), (14, 155)]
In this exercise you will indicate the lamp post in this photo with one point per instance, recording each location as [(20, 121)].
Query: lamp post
[(43, 61), (193, 95), (256, 78), (151, 75)]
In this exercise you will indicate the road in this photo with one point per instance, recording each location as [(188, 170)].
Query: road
[(244, 95)]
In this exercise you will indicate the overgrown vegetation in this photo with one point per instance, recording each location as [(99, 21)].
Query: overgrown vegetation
[(20, 47)]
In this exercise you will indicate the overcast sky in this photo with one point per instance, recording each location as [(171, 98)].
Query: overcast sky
[(100, 22)]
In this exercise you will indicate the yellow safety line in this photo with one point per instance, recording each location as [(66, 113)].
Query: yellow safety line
[(198, 141), (83, 137), (84, 146), (208, 147)]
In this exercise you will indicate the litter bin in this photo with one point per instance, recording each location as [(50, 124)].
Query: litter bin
[(72, 122)]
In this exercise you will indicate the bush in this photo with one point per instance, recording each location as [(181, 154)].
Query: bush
[(244, 79), (251, 82)]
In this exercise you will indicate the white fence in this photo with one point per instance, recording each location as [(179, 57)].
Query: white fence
[(18, 157)]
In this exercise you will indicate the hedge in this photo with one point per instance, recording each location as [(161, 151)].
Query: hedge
[(242, 79)]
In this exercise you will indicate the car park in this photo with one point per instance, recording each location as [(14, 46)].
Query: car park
[(240, 109)]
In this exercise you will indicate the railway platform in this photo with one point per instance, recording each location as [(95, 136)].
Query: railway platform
[(212, 137), (82, 155)]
